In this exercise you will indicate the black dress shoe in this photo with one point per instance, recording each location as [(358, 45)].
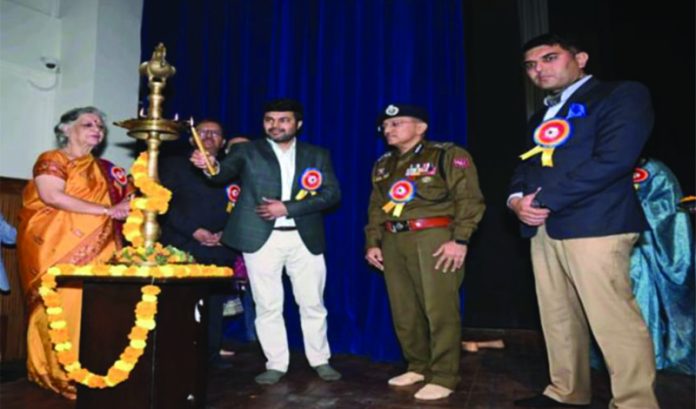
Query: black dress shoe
[(543, 401)]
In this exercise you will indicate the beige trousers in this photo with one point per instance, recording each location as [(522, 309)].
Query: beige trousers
[(307, 272), (586, 281)]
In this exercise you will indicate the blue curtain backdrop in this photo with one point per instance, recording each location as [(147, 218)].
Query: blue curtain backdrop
[(344, 60)]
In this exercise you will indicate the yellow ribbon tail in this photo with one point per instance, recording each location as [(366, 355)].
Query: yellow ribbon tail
[(230, 206), (314, 193), (535, 150), (388, 207), (301, 194), (397, 209), (547, 157)]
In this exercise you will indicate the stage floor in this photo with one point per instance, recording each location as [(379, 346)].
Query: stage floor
[(491, 379)]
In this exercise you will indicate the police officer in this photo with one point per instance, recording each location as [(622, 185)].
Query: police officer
[(425, 204)]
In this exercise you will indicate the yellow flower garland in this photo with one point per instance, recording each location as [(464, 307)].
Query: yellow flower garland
[(157, 199), (145, 312)]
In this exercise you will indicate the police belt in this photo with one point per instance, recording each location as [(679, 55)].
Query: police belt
[(417, 224)]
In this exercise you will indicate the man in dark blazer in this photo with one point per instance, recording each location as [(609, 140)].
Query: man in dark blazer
[(573, 193), (278, 224), (197, 214)]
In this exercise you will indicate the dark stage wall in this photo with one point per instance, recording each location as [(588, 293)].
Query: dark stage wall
[(625, 41)]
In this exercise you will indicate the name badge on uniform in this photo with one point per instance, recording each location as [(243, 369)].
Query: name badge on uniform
[(400, 193), (310, 181), (233, 192), (549, 135)]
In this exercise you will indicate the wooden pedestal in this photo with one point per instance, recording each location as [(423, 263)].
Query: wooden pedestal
[(172, 372)]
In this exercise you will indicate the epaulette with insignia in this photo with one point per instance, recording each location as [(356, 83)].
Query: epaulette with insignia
[(385, 156), (442, 145)]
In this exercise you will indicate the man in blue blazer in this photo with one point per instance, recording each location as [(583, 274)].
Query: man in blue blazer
[(573, 193), (278, 224)]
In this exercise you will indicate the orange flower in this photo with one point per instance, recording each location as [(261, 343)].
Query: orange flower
[(132, 354), (100, 270), (67, 357), (51, 300), (96, 381), (58, 335), (79, 375), (48, 280), (66, 269), (131, 271), (150, 290), (145, 308), (138, 333), (54, 318), (117, 375)]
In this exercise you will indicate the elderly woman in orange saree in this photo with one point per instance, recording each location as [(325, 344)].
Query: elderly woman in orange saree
[(72, 211)]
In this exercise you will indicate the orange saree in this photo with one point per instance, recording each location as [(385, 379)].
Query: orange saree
[(49, 236)]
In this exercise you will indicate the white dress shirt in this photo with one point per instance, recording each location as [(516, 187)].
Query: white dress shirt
[(286, 160)]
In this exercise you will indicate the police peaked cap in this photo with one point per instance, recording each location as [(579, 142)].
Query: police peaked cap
[(396, 110)]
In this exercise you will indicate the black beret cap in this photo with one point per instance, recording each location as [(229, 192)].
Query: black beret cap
[(395, 110)]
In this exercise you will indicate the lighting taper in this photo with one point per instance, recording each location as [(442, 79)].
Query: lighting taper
[(201, 148)]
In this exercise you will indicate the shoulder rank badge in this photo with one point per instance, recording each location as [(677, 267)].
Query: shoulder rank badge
[(549, 135), (310, 181), (460, 162), (400, 193), (233, 192)]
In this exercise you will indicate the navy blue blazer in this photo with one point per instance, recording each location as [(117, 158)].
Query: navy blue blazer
[(589, 190)]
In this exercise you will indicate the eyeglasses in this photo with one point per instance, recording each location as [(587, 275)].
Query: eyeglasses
[(90, 125), (395, 124), (209, 132)]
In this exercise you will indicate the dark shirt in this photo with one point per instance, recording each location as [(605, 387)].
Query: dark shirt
[(196, 203)]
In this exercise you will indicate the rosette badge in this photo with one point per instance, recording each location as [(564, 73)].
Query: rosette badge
[(400, 193), (233, 192), (310, 181), (640, 175), (548, 136)]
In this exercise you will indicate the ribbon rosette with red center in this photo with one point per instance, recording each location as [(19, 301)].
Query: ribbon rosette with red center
[(233, 192), (400, 193), (549, 135), (119, 175), (310, 181), (640, 175)]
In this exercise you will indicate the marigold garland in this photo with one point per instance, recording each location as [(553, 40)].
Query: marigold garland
[(156, 199), (164, 262), (145, 313)]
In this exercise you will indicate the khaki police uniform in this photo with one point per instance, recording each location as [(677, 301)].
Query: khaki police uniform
[(424, 301)]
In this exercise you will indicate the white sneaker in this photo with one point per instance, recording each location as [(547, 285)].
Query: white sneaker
[(433, 392), (406, 379)]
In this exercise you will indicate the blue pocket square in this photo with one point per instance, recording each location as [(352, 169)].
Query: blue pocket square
[(576, 111)]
